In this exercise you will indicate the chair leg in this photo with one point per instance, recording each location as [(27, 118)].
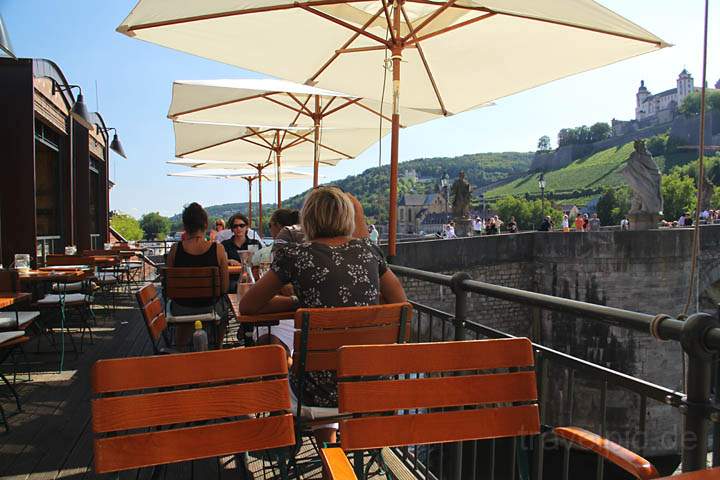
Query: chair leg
[(12, 390), (4, 419)]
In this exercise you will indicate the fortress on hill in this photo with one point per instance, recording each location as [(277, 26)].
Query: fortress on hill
[(654, 114), (660, 108)]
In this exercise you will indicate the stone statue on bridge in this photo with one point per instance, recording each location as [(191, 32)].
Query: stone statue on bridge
[(461, 206), (461, 197), (643, 176)]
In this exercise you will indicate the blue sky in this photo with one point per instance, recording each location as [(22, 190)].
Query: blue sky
[(134, 79)]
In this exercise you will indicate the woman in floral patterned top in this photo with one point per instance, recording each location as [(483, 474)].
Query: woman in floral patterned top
[(331, 269)]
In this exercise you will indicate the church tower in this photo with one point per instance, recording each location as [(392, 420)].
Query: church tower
[(641, 95), (685, 85)]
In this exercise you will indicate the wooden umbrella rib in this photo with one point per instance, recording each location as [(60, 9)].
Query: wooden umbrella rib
[(303, 106), (340, 107), (414, 30), (529, 17), (424, 60), (302, 138), (347, 25), (345, 45), (451, 28), (361, 105), (360, 49), (220, 104), (323, 112), (207, 147), (283, 104), (258, 134), (254, 143), (234, 13), (389, 22), (582, 27)]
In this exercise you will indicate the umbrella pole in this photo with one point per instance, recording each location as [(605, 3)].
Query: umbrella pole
[(394, 142), (278, 155), (259, 177), (316, 158), (249, 180)]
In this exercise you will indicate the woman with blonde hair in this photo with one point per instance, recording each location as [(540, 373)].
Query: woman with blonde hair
[(330, 269)]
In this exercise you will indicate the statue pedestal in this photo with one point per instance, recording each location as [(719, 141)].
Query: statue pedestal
[(644, 220), (463, 227)]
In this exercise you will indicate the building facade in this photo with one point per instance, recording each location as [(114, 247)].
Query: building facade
[(662, 106), (54, 190), (413, 207)]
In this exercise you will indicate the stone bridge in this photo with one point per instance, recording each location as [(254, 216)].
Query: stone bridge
[(644, 271)]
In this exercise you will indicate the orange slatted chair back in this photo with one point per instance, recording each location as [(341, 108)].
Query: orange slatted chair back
[(135, 429), (152, 311), (330, 328), (396, 392), (193, 283)]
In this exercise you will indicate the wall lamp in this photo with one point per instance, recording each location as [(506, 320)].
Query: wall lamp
[(115, 145), (78, 109)]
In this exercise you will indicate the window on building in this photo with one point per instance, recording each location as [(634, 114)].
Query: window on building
[(48, 181), (95, 199)]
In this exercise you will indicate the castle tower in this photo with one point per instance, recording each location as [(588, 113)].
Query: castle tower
[(640, 97), (685, 85)]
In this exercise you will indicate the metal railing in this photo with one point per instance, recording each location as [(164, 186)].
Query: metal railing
[(699, 336)]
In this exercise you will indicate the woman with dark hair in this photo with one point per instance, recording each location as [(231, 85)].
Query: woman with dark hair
[(240, 241), (285, 227), (195, 251)]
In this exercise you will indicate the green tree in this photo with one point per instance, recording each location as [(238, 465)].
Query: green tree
[(155, 226), (126, 226), (691, 104), (678, 192), (599, 131), (544, 144), (656, 145), (527, 213), (613, 205)]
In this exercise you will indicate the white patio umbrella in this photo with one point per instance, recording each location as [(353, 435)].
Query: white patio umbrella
[(237, 145), (455, 54), (249, 177), (281, 103)]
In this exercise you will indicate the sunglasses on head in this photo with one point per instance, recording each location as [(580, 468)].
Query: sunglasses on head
[(239, 225)]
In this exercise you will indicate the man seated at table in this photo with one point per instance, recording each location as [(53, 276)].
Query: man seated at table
[(237, 243)]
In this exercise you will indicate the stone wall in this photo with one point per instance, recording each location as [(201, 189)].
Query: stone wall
[(644, 271)]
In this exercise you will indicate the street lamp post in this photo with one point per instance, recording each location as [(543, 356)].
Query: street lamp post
[(482, 202), (541, 184), (444, 180)]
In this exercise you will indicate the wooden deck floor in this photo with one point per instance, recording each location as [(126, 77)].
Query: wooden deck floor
[(52, 436)]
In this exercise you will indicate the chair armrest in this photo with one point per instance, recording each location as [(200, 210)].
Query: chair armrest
[(620, 456), (336, 464)]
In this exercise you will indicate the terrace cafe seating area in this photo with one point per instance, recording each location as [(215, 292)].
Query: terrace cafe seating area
[(126, 402)]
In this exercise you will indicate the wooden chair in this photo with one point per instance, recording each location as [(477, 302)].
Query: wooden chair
[(152, 311), (208, 389), (486, 388), (321, 331), (197, 284)]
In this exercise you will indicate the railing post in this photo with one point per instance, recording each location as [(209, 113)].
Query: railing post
[(461, 297), (699, 379)]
